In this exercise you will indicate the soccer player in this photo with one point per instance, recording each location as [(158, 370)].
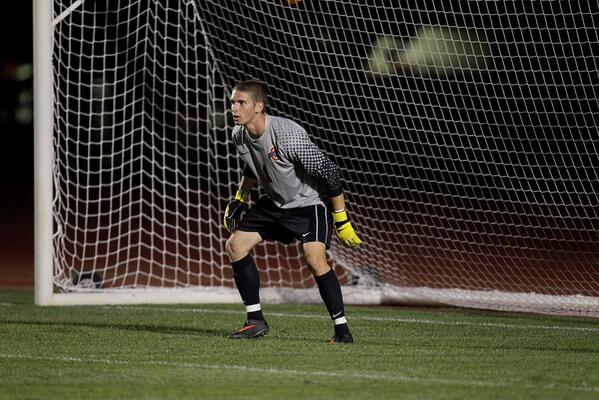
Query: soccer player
[(303, 200)]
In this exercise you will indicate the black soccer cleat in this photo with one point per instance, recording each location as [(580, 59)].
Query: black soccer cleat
[(252, 328), (343, 339)]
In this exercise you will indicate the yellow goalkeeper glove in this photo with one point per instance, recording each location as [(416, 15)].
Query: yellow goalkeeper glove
[(235, 210), (344, 230)]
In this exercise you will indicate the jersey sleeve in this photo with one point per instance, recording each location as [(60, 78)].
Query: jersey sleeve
[(300, 150)]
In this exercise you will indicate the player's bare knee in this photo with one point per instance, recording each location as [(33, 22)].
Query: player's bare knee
[(320, 269), (317, 264), (235, 249)]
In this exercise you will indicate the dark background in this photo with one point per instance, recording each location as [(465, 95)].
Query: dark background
[(16, 154), (17, 132)]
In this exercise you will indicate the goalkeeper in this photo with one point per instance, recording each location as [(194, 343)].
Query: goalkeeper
[(302, 200)]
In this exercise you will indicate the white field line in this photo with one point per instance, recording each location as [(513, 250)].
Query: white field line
[(354, 317), (397, 378), (369, 318)]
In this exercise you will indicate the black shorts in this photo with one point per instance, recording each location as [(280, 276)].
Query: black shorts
[(306, 224)]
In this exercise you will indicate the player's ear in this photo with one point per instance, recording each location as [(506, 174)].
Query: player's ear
[(259, 107)]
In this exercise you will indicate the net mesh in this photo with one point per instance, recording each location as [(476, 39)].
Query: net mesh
[(466, 134)]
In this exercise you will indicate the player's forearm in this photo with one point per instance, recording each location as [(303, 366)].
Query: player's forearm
[(246, 184), (338, 202)]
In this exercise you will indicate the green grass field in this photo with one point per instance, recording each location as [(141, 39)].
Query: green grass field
[(180, 352)]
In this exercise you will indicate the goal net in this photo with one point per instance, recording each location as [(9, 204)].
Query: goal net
[(466, 134)]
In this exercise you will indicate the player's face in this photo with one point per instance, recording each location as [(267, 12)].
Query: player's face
[(244, 108)]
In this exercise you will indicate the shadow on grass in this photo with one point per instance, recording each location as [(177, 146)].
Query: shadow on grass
[(172, 330), (124, 327)]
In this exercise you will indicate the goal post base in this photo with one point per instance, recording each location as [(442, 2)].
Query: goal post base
[(572, 305), (204, 295), (353, 295)]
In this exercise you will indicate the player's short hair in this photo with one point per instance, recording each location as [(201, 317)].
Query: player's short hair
[(258, 90)]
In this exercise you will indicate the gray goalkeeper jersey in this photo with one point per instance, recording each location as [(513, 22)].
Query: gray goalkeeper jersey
[(292, 171)]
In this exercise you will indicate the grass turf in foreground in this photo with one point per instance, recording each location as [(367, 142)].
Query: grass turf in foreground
[(181, 351)]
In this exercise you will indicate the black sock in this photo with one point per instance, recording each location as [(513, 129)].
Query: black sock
[(330, 291), (247, 280)]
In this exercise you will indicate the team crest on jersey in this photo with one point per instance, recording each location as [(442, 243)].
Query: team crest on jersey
[(273, 153)]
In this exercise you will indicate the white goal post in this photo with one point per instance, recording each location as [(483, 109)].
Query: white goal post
[(43, 123), (466, 134)]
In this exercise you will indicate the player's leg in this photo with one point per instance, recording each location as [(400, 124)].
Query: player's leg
[(247, 279), (313, 226), (245, 273), (257, 225), (329, 289)]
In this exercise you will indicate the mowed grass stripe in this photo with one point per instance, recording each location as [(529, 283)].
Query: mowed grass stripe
[(357, 316), (375, 376), (353, 315)]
